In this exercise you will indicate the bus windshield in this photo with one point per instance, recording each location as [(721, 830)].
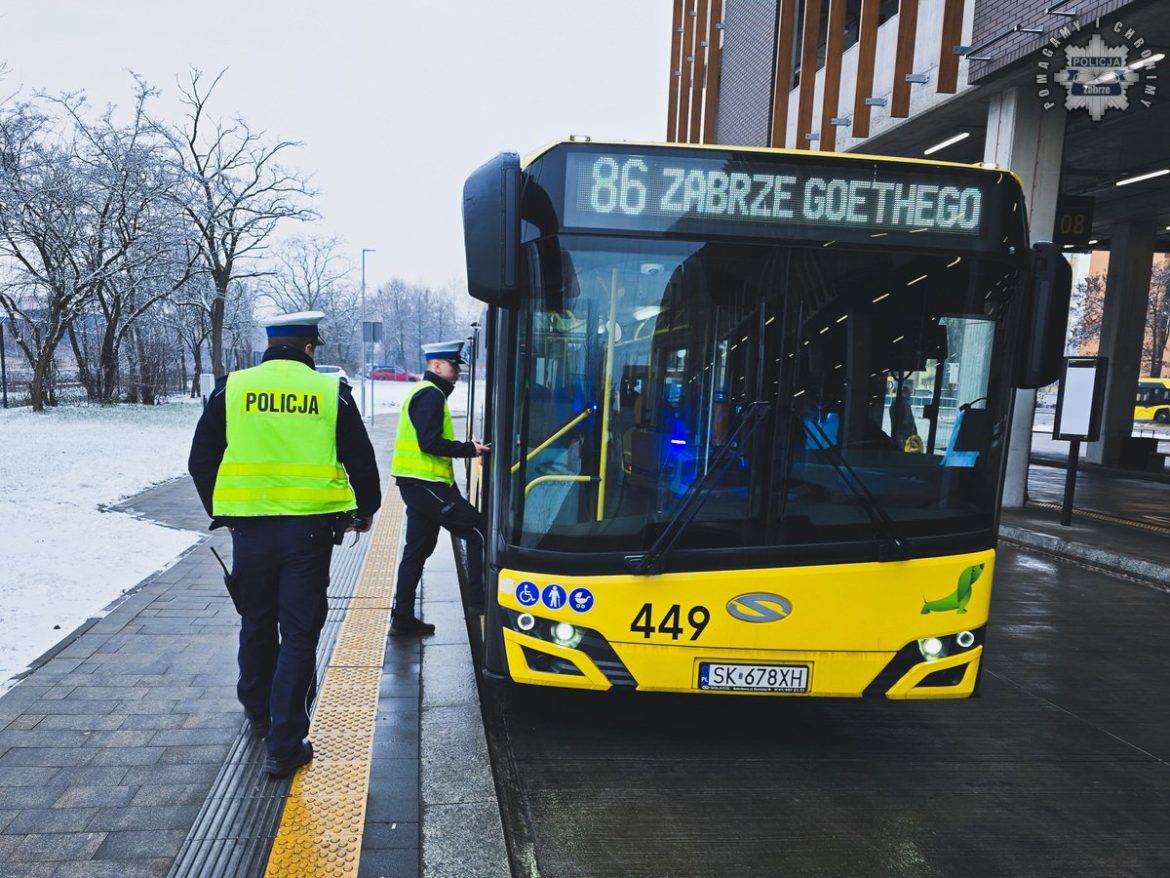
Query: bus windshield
[(636, 361)]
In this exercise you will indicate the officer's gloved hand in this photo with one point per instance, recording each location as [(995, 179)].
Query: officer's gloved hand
[(360, 524)]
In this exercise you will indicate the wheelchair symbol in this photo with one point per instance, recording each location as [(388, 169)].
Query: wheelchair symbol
[(527, 593)]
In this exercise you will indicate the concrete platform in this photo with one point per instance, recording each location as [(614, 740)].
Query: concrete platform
[(1121, 522), (115, 743), (119, 743)]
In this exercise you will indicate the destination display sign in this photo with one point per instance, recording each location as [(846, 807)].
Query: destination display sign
[(704, 195)]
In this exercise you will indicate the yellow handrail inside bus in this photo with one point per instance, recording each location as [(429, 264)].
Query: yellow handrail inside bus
[(540, 479), (555, 436), (601, 467)]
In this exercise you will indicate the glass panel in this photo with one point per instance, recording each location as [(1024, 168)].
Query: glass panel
[(1150, 394), (644, 368), (898, 382)]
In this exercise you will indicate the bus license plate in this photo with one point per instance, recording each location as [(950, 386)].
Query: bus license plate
[(753, 678)]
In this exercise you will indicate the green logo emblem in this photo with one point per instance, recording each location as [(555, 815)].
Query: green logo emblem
[(961, 597)]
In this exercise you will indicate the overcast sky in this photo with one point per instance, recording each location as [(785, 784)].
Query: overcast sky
[(396, 102)]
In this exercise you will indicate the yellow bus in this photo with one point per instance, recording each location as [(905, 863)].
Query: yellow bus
[(698, 482), (1153, 400)]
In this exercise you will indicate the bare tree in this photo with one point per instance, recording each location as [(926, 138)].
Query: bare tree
[(239, 325), (192, 325), (414, 314), (394, 301), (310, 274), (1088, 308), (1157, 322), (234, 193), (74, 217), (158, 259), (40, 228)]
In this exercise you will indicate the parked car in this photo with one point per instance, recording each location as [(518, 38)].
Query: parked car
[(334, 370), (392, 373)]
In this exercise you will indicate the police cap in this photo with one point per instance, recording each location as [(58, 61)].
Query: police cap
[(298, 324), (451, 351)]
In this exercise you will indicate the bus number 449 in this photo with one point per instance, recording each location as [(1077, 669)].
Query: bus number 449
[(697, 618)]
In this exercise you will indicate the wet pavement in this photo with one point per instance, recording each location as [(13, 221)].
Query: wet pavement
[(1130, 497), (1060, 768)]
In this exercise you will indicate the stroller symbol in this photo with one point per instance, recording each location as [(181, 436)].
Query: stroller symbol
[(581, 600)]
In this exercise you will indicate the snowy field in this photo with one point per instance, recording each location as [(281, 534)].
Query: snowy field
[(62, 560)]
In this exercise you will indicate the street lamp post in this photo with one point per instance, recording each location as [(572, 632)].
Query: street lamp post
[(365, 357)]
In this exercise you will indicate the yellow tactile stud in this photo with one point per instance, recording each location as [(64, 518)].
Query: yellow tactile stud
[(321, 855), (321, 815), (1106, 517), (321, 828)]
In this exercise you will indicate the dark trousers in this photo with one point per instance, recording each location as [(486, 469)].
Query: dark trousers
[(431, 506), (280, 566)]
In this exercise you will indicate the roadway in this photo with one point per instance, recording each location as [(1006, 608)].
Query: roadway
[(1062, 767)]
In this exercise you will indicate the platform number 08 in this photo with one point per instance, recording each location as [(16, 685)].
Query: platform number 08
[(615, 186)]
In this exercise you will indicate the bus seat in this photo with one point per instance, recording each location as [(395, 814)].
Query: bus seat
[(829, 424), (968, 438)]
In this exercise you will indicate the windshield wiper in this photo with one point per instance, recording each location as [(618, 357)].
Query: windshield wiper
[(699, 489), (892, 541)]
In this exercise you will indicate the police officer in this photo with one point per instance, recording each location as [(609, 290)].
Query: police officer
[(281, 458), (425, 475)]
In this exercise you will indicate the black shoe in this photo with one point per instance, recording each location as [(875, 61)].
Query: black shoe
[(410, 625), (284, 766), (258, 724)]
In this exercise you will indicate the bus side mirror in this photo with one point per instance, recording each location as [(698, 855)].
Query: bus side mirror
[(491, 230), (1041, 353)]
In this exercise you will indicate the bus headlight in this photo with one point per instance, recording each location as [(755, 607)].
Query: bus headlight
[(932, 648), (965, 639), (525, 622), (564, 634)]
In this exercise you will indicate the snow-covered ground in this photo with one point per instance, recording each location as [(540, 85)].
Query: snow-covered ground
[(62, 560), (388, 396)]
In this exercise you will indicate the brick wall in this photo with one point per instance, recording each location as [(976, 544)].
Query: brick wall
[(996, 16)]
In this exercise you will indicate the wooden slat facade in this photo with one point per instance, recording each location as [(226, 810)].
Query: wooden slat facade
[(834, 47), (952, 35), (866, 58), (696, 57), (675, 72), (808, 72), (904, 58), (782, 84), (702, 35), (688, 70)]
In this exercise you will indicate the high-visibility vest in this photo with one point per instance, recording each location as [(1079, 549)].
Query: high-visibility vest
[(281, 455), (412, 462)]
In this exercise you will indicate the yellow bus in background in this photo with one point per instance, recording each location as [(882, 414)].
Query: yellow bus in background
[(1153, 400)]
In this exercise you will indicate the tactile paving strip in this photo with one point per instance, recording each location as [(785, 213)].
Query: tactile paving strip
[(1103, 516), (232, 834), (305, 855), (324, 818)]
